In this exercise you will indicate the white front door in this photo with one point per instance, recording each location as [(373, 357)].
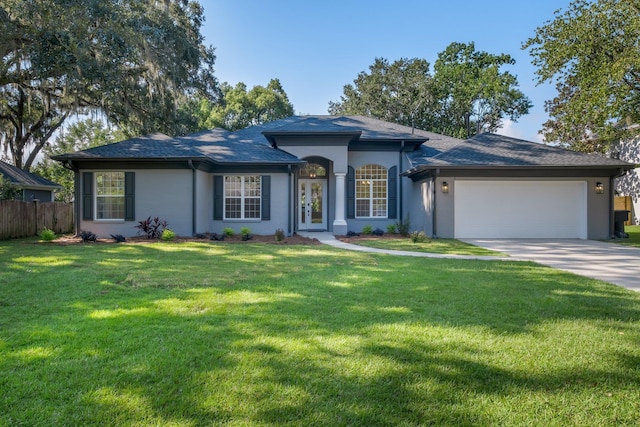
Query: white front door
[(312, 206)]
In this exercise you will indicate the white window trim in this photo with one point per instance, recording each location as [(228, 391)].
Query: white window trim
[(370, 198), (95, 199), (242, 199)]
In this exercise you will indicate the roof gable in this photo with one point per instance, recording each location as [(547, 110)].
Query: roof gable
[(359, 127)]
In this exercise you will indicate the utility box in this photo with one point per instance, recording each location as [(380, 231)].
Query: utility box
[(619, 218)]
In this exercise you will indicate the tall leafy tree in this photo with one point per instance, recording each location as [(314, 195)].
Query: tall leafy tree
[(591, 52), (240, 108), (466, 86), (132, 60), (80, 135), (8, 190), (399, 92), (473, 92)]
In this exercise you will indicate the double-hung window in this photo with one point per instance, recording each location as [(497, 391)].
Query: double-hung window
[(242, 196), (371, 191), (110, 195)]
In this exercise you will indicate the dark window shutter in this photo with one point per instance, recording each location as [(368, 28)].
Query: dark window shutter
[(392, 193), (87, 196), (266, 197), (129, 196), (218, 197), (351, 192)]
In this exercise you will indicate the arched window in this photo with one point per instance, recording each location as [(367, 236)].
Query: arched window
[(313, 170), (371, 191)]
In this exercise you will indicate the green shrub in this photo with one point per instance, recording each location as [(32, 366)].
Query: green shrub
[(403, 227), (8, 190), (47, 235), (245, 231), (418, 237), (367, 230), (168, 235), (279, 235), (392, 229), (228, 231)]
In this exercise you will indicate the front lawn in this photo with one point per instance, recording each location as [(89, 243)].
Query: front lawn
[(193, 334), (437, 246)]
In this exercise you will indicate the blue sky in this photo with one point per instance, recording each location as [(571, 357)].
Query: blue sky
[(316, 47)]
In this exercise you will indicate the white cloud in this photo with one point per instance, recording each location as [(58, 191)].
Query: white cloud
[(520, 130)]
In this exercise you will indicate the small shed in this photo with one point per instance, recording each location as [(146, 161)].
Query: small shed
[(30, 186)]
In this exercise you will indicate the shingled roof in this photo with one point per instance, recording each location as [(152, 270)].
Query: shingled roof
[(256, 145), (216, 145), (366, 128), (24, 179), (489, 150)]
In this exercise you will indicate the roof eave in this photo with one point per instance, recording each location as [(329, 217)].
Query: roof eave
[(180, 159), (39, 187), (271, 135), (426, 168)]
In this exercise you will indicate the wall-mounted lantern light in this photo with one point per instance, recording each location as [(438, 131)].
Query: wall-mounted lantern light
[(599, 188), (445, 187)]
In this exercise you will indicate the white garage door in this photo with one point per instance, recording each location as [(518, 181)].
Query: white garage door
[(520, 209)]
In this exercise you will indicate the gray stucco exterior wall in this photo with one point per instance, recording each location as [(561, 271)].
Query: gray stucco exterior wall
[(361, 158), (421, 210), (444, 209), (599, 207), (166, 194), (280, 212), (204, 202)]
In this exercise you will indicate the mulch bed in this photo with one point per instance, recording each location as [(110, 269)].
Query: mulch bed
[(290, 240)]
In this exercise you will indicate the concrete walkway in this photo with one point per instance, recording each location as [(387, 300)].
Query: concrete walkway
[(329, 239), (608, 262)]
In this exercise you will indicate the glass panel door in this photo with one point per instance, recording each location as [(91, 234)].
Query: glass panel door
[(312, 208)]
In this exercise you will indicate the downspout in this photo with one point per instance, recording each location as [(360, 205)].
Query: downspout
[(433, 203), (290, 203), (76, 193), (400, 198), (193, 197), (77, 198)]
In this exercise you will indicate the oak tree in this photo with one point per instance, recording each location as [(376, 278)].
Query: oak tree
[(239, 108), (591, 52), (133, 61), (399, 92), (474, 94), (80, 135), (468, 91)]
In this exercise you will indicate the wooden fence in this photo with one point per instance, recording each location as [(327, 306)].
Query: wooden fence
[(624, 203), (23, 219)]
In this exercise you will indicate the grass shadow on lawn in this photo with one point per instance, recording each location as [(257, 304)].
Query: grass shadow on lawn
[(195, 334)]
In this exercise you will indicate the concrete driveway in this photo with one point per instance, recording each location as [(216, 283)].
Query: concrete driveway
[(609, 262)]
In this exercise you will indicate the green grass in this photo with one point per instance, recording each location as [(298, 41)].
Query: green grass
[(438, 246), (193, 334), (634, 236)]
